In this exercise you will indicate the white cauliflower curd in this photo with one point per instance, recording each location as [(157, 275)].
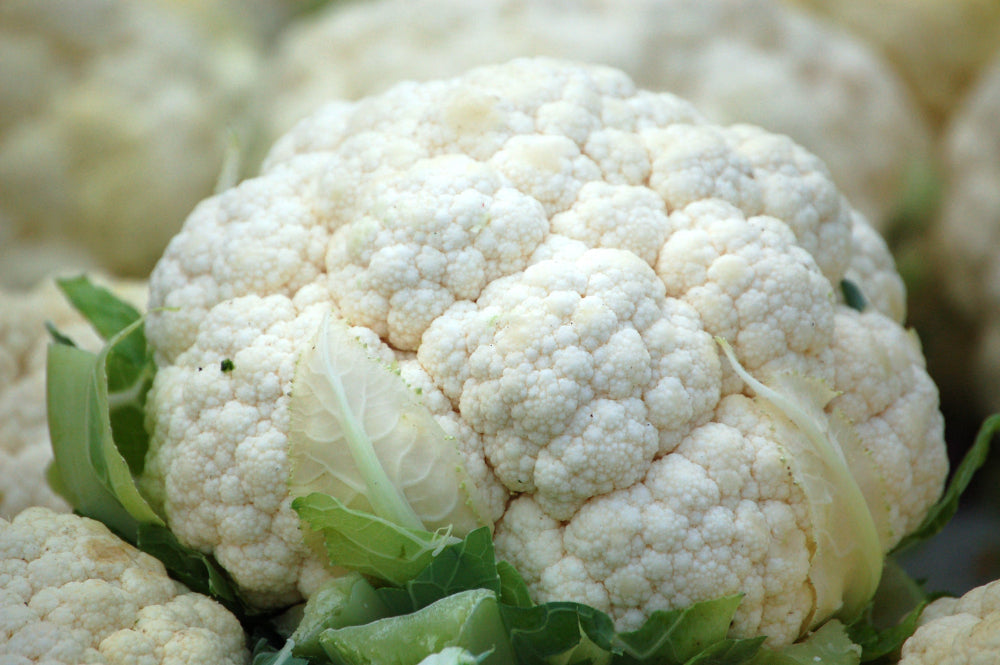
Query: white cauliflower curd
[(957, 631), (72, 592), (555, 262), (757, 61)]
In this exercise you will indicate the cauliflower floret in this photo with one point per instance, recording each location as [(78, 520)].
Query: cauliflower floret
[(823, 88), (957, 631), (967, 235), (113, 121), (72, 592), (712, 518), (717, 516), (25, 451), (873, 269), (886, 392), (576, 373), (466, 229)]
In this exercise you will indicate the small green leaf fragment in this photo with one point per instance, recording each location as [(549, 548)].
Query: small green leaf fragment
[(942, 512), (468, 564), (677, 636), (853, 296), (88, 467), (264, 654), (131, 439), (74, 428), (876, 643), (343, 601), (513, 589), (227, 365), (729, 652), (106, 458), (830, 644), (105, 311), (57, 336), (892, 615), (553, 632), (468, 619), (367, 543), (198, 571)]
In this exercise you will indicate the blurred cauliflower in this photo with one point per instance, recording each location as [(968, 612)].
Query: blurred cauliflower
[(546, 254), (25, 450), (257, 20), (958, 631), (938, 46), (73, 592), (113, 123), (968, 234), (757, 62)]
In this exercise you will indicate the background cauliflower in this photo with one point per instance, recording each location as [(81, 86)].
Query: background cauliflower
[(957, 631), (113, 123), (72, 592), (544, 253), (966, 239), (938, 46), (25, 450), (760, 62)]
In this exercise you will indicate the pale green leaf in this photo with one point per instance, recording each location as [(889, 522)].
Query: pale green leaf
[(368, 543), (360, 433), (846, 560)]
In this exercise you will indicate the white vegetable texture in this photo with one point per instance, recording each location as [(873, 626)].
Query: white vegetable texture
[(25, 450), (957, 631), (756, 61), (72, 592), (544, 253), (967, 235), (113, 122)]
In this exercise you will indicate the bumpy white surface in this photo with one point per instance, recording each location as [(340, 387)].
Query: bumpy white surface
[(968, 231), (25, 450), (958, 631), (113, 121), (546, 252), (72, 592), (757, 62)]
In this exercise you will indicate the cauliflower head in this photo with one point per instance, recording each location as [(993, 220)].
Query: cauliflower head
[(761, 62), (113, 121), (545, 253), (957, 631), (967, 233), (25, 450), (73, 592)]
